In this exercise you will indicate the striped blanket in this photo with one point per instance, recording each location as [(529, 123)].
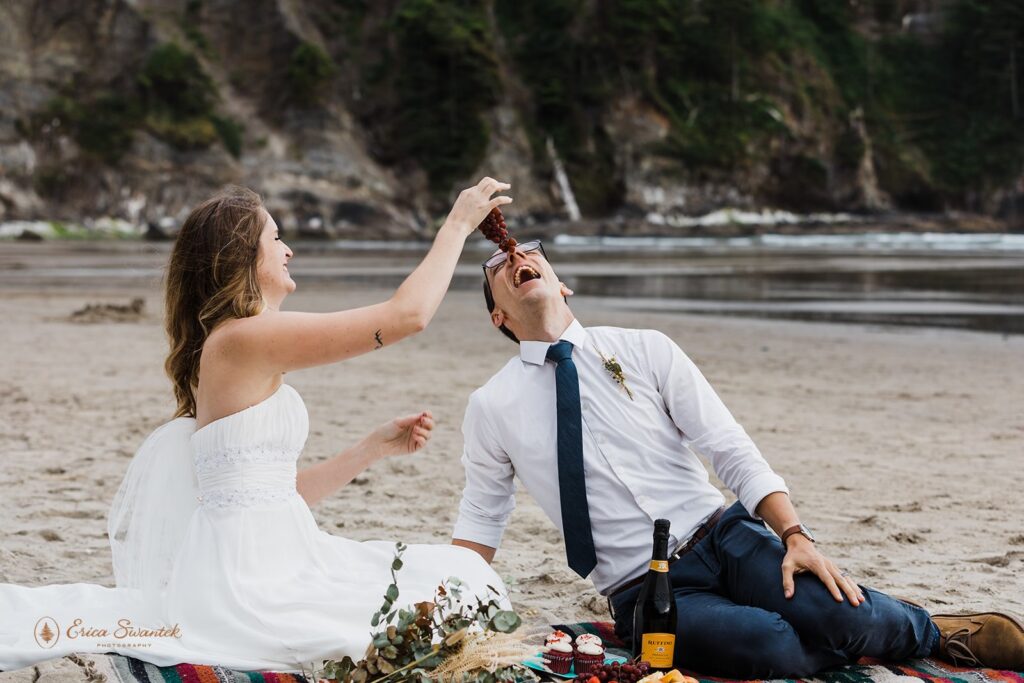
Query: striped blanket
[(115, 668), (121, 669), (864, 671)]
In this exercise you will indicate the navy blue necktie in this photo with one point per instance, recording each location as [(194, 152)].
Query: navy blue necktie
[(579, 542)]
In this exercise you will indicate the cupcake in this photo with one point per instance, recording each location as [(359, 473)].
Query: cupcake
[(559, 656), (558, 637), (589, 656)]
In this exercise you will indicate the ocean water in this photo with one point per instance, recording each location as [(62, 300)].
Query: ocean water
[(965, 281)]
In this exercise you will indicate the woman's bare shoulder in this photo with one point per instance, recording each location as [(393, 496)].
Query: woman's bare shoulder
[(236, 342), (231, 342), (229, 380), (234, 330)]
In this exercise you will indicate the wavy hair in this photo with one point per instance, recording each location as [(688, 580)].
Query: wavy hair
[(211, 277)]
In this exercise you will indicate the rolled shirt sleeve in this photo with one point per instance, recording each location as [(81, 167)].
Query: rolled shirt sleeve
[(708, 427), (489, 495)]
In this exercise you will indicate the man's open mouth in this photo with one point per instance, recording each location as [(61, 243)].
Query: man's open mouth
[(523, 274)]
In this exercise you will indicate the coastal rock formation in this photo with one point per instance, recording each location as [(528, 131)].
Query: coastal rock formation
[(363, 119)]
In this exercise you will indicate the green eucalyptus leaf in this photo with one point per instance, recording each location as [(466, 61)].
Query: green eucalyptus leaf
[(506, 621)]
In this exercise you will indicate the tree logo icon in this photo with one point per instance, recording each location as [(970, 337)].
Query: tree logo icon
[(47, 632)]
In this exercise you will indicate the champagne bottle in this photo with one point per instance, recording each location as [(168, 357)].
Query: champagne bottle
[(654, 617)]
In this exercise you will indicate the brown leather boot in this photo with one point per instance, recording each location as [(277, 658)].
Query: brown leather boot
[(989, 639)]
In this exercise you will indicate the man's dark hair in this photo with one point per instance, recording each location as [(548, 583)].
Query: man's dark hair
[(489, 298)]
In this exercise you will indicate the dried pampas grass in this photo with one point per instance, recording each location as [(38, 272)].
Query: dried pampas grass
[(486, 651)]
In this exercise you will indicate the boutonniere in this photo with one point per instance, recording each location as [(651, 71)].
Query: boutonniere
[(613, 368)]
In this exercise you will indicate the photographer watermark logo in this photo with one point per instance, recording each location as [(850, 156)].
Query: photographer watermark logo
[(124, 634), (47, 632)]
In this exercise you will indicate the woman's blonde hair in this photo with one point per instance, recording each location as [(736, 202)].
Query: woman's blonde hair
[(211, 277)]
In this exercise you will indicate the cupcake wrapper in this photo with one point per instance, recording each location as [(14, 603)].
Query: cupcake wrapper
[(586, 663), (559, 662)]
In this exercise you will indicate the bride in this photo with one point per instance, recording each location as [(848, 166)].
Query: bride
[(217, 557)]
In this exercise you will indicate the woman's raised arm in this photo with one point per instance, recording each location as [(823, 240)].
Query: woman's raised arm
[(280, 341)]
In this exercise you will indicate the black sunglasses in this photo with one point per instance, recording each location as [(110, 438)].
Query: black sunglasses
[(499, 257)]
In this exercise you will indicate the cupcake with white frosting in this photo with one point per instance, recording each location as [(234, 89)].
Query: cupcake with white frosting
[(589, 654), (558, 656), (558, 637)]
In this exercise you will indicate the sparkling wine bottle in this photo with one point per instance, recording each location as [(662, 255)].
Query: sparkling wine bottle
[(654, 617)]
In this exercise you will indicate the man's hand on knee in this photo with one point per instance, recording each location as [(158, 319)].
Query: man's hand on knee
[(803, 556)]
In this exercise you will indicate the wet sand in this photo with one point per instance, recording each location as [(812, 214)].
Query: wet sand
[(903, 447)]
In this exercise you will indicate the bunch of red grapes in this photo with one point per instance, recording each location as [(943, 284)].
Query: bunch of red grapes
[(493, 228), (623, 672)]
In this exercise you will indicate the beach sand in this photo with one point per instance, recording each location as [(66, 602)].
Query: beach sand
[(902, 447)]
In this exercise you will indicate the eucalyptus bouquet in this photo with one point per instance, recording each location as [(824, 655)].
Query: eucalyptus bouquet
[(444, 640)]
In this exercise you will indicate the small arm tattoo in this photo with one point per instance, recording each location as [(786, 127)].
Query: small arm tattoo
[(376, 338)]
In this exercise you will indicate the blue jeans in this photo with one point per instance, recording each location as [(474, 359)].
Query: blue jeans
[(734, 620)]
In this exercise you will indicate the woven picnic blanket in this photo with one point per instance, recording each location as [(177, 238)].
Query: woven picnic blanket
[(862, 672), (122, 669)]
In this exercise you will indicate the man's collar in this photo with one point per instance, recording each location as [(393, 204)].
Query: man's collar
[(536, 351)]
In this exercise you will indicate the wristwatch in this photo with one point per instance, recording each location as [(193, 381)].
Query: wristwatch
[(798, 529)]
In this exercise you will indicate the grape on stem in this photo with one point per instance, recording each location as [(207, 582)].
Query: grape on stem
[(494, 228)]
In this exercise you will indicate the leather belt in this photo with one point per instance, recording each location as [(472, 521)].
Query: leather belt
[(702, 531)]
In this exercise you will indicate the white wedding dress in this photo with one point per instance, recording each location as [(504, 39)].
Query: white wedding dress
[(209, 535)]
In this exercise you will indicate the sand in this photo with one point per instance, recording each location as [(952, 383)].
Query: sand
[(902, 446)]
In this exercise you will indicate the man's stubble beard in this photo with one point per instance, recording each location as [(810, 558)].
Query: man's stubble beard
[(537, 312)]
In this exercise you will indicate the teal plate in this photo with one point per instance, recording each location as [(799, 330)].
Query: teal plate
[(536, 665)]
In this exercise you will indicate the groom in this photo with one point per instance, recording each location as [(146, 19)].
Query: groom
[(598, 423)]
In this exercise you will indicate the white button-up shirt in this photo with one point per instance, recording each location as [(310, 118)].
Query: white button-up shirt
[(637, 456)]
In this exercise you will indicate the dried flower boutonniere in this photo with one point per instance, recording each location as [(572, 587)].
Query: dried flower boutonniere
[(613, 368)]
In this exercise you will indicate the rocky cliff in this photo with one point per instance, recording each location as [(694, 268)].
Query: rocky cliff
[(363, 118)]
